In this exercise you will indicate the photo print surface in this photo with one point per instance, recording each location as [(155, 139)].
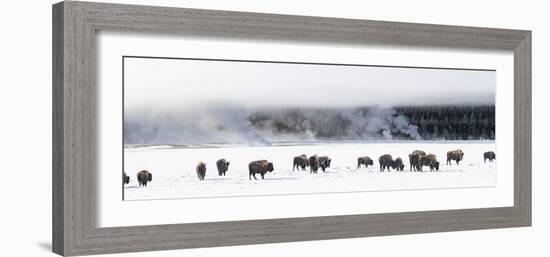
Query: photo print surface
[(200, 128)]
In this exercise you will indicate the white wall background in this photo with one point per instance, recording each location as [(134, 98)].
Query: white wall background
[(25, 99)]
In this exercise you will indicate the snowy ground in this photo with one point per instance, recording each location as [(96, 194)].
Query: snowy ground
[(174, 176)]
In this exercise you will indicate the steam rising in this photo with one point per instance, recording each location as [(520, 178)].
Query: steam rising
[(180, 101), (233, 125), (187, 127)]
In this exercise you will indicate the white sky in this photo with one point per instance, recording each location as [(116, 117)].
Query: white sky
[(177, 84)]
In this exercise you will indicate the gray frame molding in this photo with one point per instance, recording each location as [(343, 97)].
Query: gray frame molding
[(74, 136)]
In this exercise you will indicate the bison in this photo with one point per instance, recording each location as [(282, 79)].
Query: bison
[(300, 161), (398, 164), (313, 164), (429, 160), (201, 170), (125, 178), (143, 177), (364, 160), (489, 156), (223, 166), (414, 161), (261, 166), (455, 155), (386, 161), (324, 162)]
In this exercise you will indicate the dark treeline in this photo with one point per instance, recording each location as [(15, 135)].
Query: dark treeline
[(452, 122), (403, 123)]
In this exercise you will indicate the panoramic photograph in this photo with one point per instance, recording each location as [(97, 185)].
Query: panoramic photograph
[(202, 128)]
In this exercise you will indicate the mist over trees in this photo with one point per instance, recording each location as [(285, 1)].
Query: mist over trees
[(452, 122), (234, 125), (375, 123)]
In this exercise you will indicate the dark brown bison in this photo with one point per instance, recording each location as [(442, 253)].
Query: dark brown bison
[(300, 161), (414, 161), (455, 155), (364, 160), (429, 160), (262, 167), (143, 177), (125, 178), (324, 162), (489, 156), (398, 164), (201, 170), (223, 166), (313, 164), (386, 161)]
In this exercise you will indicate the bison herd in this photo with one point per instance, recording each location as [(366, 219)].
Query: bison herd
[(417, 160), (315, 162)]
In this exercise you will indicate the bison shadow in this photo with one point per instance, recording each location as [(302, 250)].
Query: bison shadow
[(281, 178), (217, 179)]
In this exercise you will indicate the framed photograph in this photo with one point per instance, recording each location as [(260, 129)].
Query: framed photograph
[(233, 128)]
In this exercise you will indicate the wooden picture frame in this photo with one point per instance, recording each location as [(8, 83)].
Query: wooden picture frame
[(74, 126)]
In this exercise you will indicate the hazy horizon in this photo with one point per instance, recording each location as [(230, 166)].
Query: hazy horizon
[(176, 84), (202, 101)]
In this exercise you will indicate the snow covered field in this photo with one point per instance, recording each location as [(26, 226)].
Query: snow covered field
[(174, 176)]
